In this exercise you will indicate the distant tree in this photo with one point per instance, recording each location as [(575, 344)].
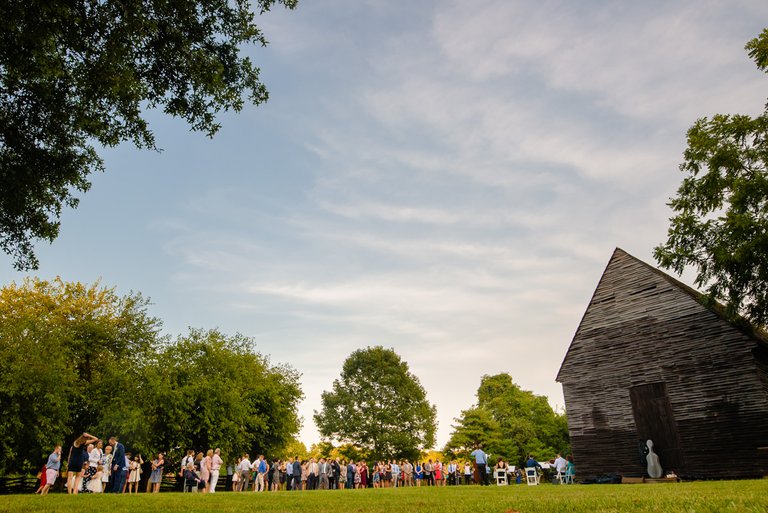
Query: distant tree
[(293, 448), (509, 422), (378, 406), (67, 352), (79, 74), (720, 226)]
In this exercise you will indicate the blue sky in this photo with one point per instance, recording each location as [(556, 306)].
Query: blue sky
[(447, 179)]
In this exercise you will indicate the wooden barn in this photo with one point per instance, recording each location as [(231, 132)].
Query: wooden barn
[(650, 361)]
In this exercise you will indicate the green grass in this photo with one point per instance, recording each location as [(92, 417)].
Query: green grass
[(721, 496)]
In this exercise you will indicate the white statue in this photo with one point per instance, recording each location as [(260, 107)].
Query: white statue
[(654, 467)]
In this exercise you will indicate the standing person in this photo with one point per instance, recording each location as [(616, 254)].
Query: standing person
[(428, 477), (42, 478), (452, 473), (467, 473), (157, 472), (312, 474), (216, 463), (324, 470), (77, 458), (418, 473), (106, 464), (333, 477), (52, 469), (304, 474), (351, 471), (481, 462), (244, 470), (363, 470), (260, 466), (134, 474), (395, 474), (236, 474), (275, 475), (296, 473), (407, 473), (205, 470), (288, 474), (118, 465)]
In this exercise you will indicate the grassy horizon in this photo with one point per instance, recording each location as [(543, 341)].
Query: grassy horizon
[(696, 497)]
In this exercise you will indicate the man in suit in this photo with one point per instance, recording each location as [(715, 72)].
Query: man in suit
[(312, 472), (118, 464), (335, 474), (325, 470), (296, 473)]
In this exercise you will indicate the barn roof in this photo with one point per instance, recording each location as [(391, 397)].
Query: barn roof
[(717, 308)]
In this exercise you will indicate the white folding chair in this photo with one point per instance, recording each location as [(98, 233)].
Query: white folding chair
[(501, 477), (531, 476)]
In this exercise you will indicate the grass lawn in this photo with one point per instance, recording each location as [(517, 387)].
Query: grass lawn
[(720, 496)]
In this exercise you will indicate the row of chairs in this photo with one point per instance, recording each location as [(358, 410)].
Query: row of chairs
[(532, 477)]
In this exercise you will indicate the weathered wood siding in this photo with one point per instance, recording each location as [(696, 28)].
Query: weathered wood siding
[(643, 327)]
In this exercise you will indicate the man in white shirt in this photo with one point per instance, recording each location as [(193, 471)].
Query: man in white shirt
[(560, 464), (395, 474), (216, 463), (245, 472), (452, 473)]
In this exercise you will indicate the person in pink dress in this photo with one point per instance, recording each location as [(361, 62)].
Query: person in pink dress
[(205, 470)]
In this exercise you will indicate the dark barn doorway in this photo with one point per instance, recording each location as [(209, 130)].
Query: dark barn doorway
[(655, 421)]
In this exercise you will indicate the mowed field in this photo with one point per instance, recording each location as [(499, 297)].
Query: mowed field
[(720, 496)]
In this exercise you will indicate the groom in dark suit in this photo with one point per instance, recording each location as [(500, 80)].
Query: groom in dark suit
[(118, 462)]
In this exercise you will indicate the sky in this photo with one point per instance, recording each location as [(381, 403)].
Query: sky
[(444, 178)]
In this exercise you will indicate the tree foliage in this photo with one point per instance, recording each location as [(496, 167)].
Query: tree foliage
[(205, 390), (720, 226), (509, 422), (66, 351), (76, 74), (77, 358), (378, 406)]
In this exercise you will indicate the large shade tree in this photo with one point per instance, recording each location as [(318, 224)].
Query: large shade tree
[(379, 406), (81, 74), (720, 222), (509, 422)]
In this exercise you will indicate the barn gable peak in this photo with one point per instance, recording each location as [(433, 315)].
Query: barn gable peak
[(630, 289)]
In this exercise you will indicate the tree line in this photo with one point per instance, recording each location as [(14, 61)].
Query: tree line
[(79, 358)]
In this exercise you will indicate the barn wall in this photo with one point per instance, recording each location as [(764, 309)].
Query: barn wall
[(641, 328)]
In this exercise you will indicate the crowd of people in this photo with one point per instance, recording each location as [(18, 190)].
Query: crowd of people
[(93, 467), (324, 474)]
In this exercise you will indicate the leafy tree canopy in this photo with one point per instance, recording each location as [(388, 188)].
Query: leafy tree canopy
[(378, 406), (509, 422), (66, 351), (78, 74), (207, 390), (720, 226)]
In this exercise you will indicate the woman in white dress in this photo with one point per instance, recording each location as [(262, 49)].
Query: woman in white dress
[(134, 475)]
